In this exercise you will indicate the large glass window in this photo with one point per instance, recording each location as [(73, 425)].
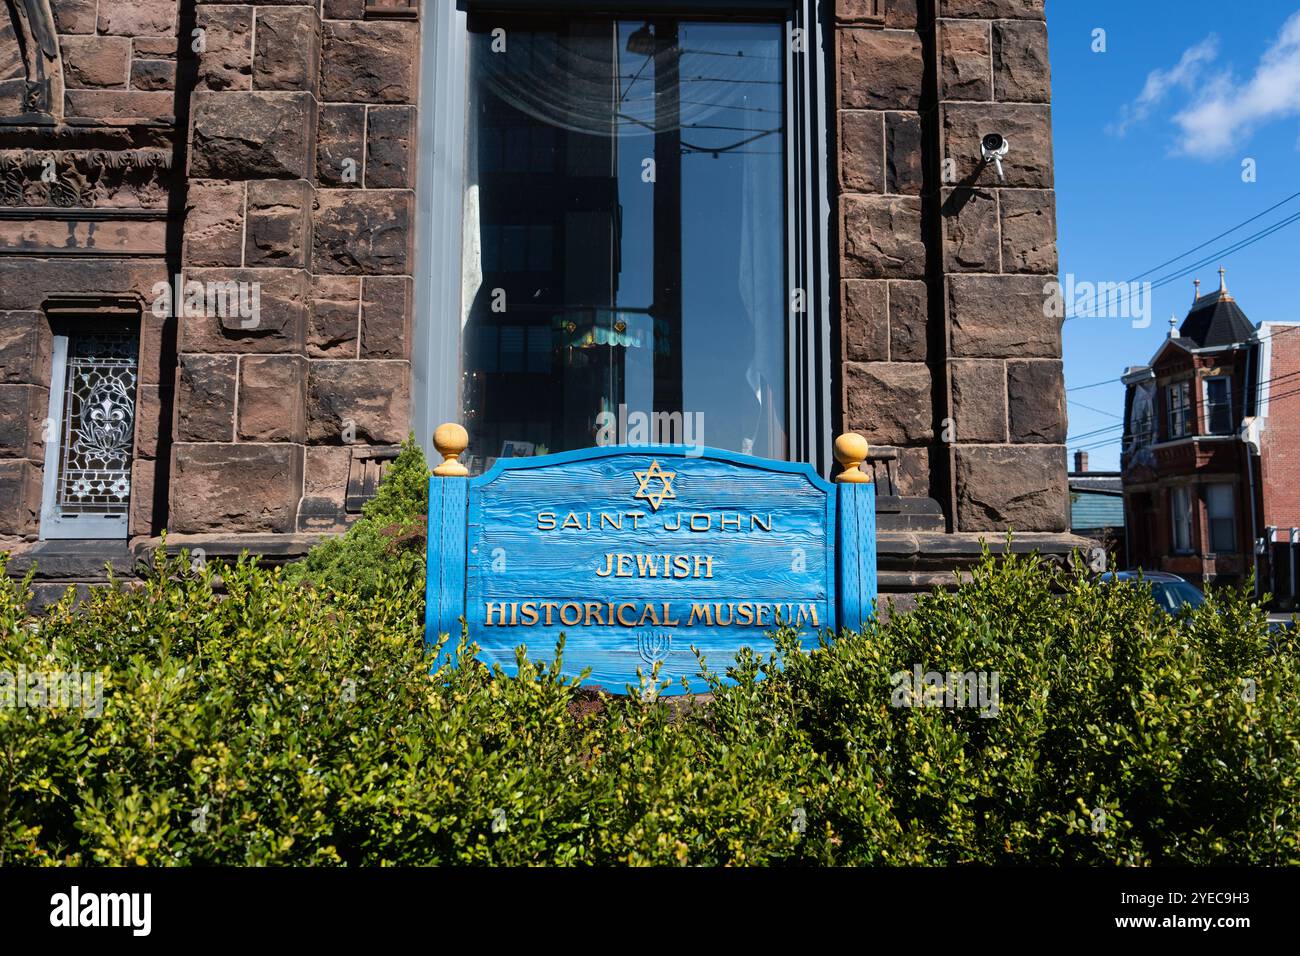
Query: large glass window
[(626, 273)]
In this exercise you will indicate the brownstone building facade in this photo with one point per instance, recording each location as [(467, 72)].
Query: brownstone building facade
[(246, 248), (1210, 447)]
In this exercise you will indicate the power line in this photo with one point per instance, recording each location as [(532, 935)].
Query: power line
[(1236, 247)]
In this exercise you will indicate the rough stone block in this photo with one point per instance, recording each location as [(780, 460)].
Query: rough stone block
[(363, 232), (340, 146), (138, 18), (365, 62), (1028, 230), (979, 401), (862, 151), (226, 62), (120, 107), (324, 496), (904, 170), (20, 498), (880, 69), (279, 223), (909, 320), (882, 238), (970, 231), (357, 399), (214, 223), (1036, 401), (74, 16), (889, 402), (153, 75), (25, 345), (1021, 71), (235, 488), (335, 317), (860, 11), (390, 147), (1000, 316), (253, 135), (1018, 487), (966, 62), (140, 518), (273, 398), (993, 9), (95, 62), (386, 314), (283, 299), (865, 320), (205, 406), (23, 409), (151, 400), (287, 49)]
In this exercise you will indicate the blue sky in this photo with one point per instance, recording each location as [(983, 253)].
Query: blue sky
[(1150, 138)]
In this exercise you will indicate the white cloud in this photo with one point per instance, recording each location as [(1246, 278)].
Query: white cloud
[(1160, 83), (1228, 110)]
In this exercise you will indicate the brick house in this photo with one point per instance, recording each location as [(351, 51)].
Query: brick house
[(246, 248), (1209, 443)]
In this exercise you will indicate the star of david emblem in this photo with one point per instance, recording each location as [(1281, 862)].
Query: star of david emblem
[(657, 496)]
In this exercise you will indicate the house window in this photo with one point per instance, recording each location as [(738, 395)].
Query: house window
[(1180, 500), (90, 434), (1218, 406), (1179, 400), (1220, 504)]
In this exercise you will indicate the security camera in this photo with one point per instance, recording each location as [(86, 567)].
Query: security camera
[(994, 146)]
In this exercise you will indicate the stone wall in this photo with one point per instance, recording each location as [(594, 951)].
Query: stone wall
[(301, 181), (948, 352), (87, 182), (271, 146)]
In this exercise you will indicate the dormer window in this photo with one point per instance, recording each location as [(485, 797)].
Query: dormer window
[(1218, 406)]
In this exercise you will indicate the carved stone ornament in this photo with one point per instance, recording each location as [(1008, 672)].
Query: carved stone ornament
[(84, 178)]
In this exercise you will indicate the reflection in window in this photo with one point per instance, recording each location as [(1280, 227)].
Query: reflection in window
[(626, 232)]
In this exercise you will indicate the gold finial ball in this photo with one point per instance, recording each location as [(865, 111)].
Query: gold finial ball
[(851, 449), (451, 440)]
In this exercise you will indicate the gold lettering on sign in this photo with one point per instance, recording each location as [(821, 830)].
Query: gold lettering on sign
[(619, 565), (639, 614)]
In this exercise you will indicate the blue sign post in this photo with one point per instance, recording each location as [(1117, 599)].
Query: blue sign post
[(640, 554)]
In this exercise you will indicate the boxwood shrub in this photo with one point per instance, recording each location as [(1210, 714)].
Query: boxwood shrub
[(290, 716)]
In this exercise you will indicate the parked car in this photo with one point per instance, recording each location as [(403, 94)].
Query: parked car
[(1171, 592)]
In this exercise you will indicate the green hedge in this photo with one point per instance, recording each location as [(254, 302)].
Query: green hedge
[(289, 717)]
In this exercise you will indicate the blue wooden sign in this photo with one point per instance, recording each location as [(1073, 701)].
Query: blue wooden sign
[(640, 554)]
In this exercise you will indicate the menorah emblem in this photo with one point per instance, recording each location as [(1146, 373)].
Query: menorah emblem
[(653, 646)]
